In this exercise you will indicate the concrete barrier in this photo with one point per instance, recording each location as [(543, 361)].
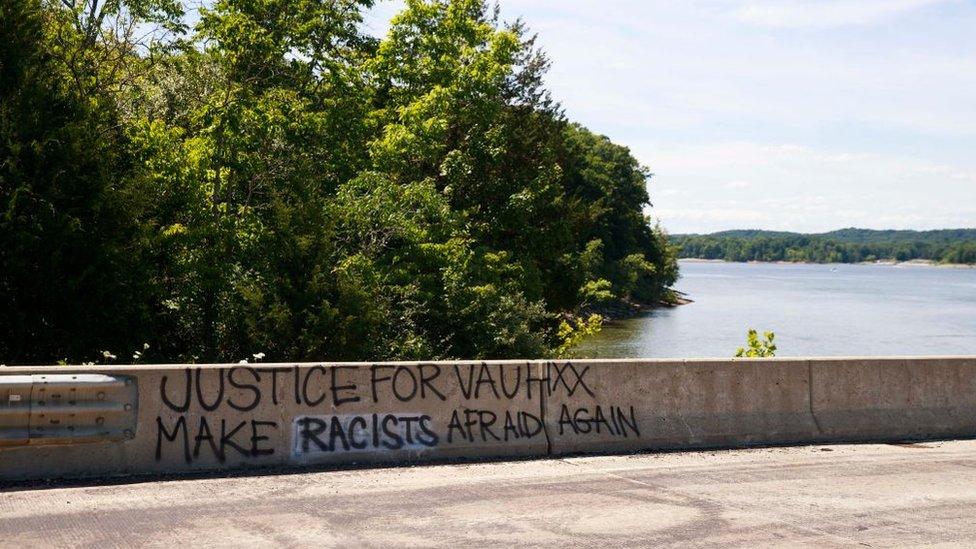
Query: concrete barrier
[(63, 422), (877, 400), (628, 406)]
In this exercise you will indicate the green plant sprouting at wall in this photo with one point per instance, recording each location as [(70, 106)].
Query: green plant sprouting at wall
[(572, 332), (758, 348)]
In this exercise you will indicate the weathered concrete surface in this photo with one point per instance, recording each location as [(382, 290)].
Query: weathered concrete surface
[(683, 404), (870, 495), (222, 417), (864, 400)]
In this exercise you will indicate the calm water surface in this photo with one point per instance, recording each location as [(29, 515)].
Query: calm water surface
[(815, 310)]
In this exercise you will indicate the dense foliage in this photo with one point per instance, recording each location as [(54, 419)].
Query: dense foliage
[(276, 181), (843, 246)]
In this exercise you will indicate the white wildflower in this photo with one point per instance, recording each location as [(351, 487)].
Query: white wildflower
[(108, 355), (258, 356), (243, 361)]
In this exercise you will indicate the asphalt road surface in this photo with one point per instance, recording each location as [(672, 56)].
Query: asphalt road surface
[(824, 496)]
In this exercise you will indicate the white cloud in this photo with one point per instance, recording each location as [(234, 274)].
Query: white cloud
[(864, 118), (792, 187), (738, 184), (826, 13)]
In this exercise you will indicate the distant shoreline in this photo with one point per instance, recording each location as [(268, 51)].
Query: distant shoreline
[(887, 263), (942, 248)]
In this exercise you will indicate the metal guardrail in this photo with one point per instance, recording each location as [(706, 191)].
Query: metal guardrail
[(66, 408)]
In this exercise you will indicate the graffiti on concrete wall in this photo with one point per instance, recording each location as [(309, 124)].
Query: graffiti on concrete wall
[(240, 412)]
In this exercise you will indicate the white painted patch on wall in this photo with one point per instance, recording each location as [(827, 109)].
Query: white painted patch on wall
[(365, 434)]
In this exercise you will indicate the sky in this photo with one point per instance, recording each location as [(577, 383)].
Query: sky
[(800, 115)]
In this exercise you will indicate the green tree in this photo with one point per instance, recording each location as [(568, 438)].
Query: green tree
[(461, 104), (572, 332), (843, 246), (71, 256), (606, 188), (278, 182), (102, 47), (248, 259)]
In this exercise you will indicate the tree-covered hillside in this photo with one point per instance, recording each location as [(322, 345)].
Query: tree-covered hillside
[(842, 246), (275, 181)]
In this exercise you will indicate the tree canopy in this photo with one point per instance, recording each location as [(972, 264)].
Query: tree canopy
[(275, 180), (842, 246)]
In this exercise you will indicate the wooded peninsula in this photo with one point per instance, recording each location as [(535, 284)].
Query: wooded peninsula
[(950, 246), (267, 180)]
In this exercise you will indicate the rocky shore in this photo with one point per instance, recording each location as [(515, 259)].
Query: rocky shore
[(624, 308)]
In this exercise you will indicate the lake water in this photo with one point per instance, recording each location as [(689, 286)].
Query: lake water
[(815, 310)]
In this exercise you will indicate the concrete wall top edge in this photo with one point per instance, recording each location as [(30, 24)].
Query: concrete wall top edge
[(13, 370)]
